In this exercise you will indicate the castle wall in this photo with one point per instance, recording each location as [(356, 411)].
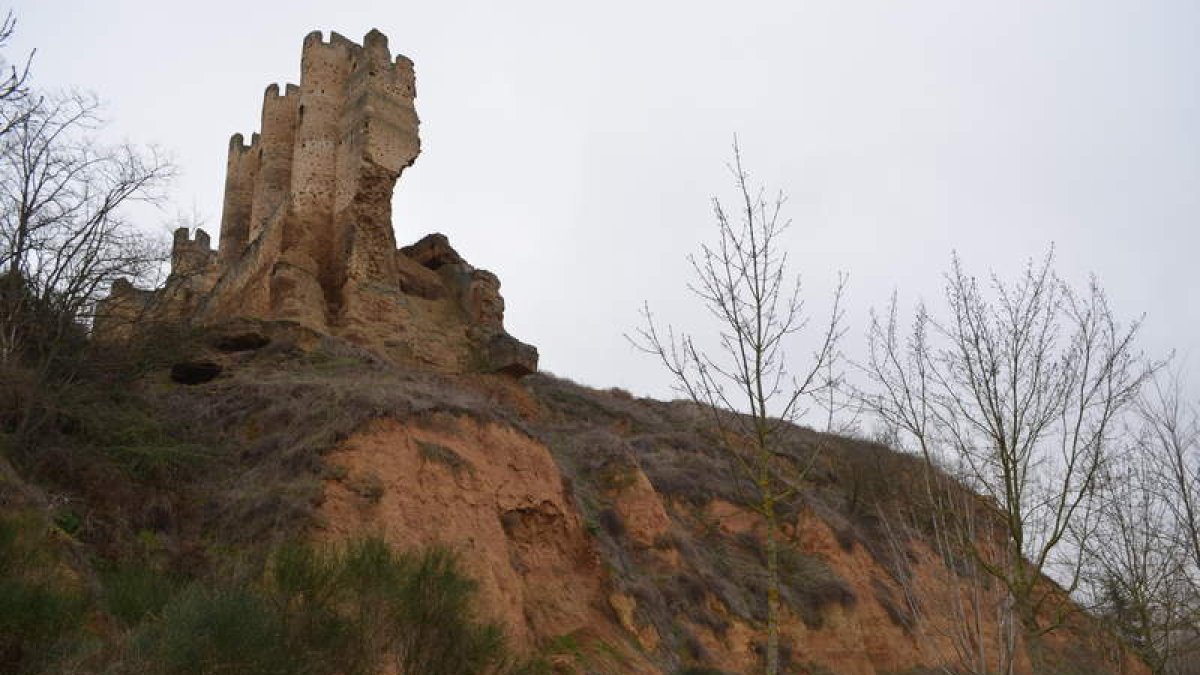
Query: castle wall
[(241, 170), (117, 315), (379, 129), (379, 121), (324, 70), (243, 288), (191, 258), (392, 138), (274, 179)]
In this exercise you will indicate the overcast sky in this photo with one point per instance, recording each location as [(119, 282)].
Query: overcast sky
[(572, 148)]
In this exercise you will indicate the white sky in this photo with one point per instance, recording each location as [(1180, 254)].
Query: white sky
[(572, 148)]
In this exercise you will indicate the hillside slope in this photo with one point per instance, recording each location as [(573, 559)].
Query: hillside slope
[(605, 532)]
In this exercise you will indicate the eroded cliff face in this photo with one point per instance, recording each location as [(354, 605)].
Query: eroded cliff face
[(576, 545), (489, 492), (607, 533)]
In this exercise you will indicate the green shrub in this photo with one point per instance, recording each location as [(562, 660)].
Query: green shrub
[(217, 630), (107, 422), (131, 592), (38, 609), (372, 574), (307, 583), (347, 607), (34, 619), (419, 606), (437, 633), (298, 569)]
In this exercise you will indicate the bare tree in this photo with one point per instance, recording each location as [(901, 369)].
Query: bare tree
[(1019, 385), (65, 235), (980, 634), (12, 76), (1135, 571), (750, 387), (1145, 566), (1172, 428)]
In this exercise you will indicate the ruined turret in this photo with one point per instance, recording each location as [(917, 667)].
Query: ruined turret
[(306, 224), (191, 256)]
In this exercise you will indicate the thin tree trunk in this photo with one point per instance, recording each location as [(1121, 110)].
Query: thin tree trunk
[(1032, 635), (772, 587)]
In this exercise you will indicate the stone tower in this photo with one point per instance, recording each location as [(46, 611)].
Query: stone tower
[(306, 226), (310, 196)]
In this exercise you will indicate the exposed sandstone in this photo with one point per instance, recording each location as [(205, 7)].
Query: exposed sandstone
[(625, 608), (642, 511), (433, 251), (493, 494), (502, 353), (591, 519)]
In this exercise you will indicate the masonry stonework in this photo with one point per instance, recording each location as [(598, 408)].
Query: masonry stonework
[(306, 228)]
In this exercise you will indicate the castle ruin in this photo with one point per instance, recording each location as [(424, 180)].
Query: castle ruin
[(306, 228)]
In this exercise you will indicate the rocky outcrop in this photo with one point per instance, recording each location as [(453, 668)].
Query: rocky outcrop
[(432, 252), (490, 492), (306, 229)]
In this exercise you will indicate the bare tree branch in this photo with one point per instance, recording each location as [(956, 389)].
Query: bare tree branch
[(748, 386), (65, 233), (1019, 384)]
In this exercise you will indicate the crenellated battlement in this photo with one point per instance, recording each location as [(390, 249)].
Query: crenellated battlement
[(336, 39), (288, 90), (316, 49), (183, 238), (237, 142), (306, 223), (191, 255), (375, 39)]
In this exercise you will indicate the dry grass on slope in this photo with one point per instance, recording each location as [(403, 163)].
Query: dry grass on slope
[(189, 477), (600, 438), (139, 460), (865, 493)]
